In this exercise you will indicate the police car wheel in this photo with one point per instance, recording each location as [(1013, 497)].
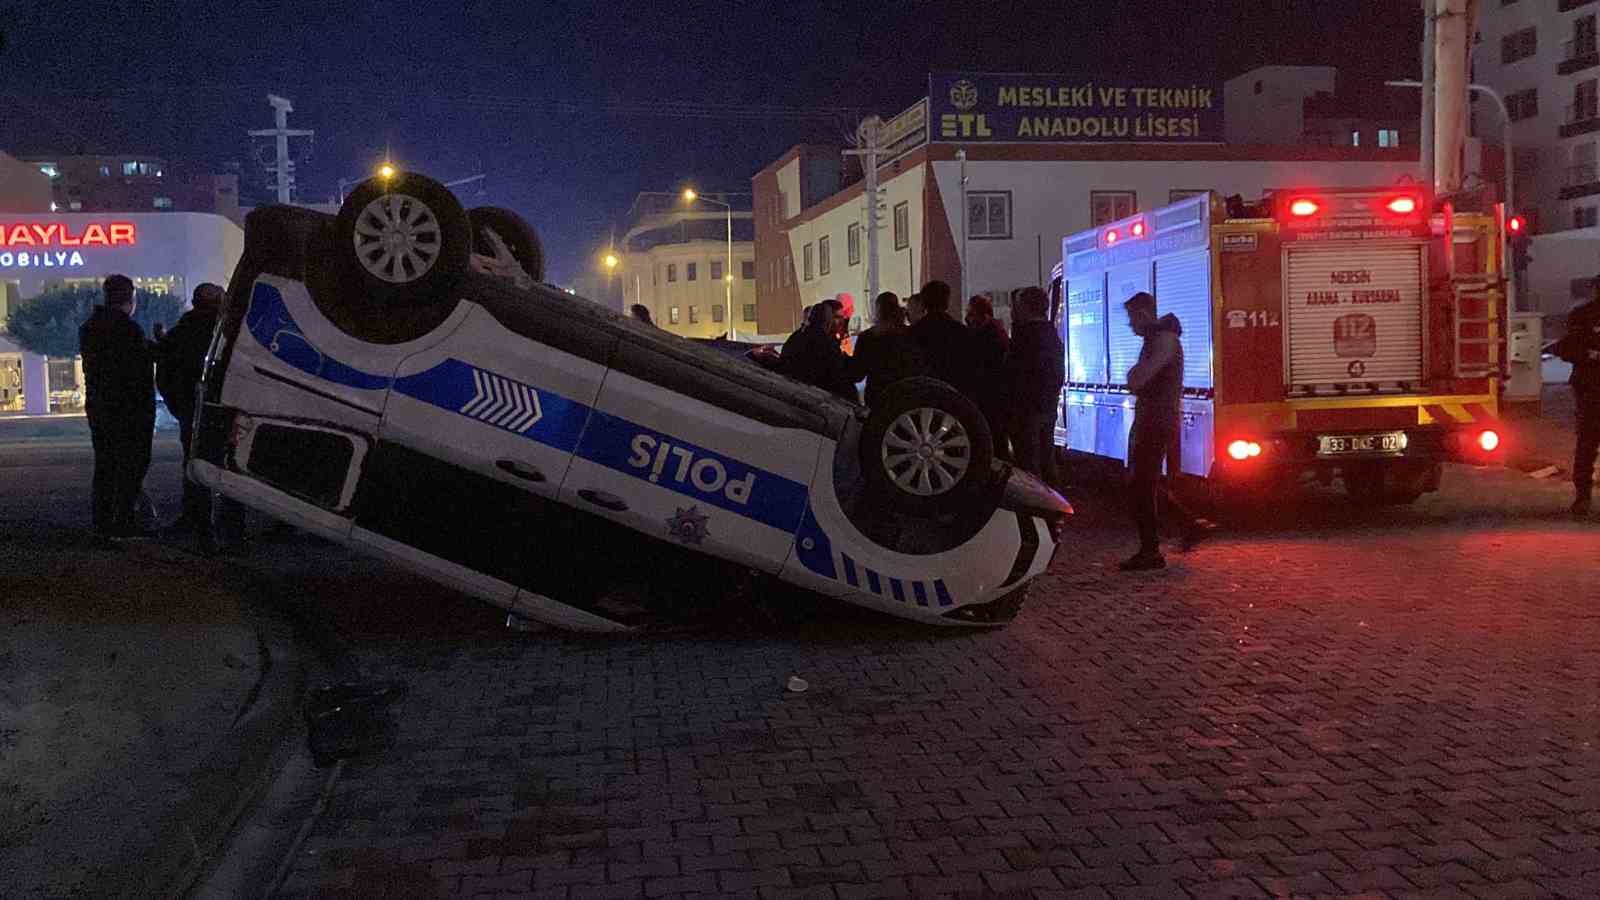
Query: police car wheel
[(518, 235), (406, 237), (928, 447)]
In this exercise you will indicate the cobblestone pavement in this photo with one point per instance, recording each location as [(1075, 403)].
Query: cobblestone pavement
[(1312, 704)]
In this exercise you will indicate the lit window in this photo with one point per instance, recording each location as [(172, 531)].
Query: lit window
[(716, 312), (852, 243), (694, 315), (989, 215), (1388, 137), (749, 312), (75, 205), (824, 261), (1355, 138), (130, 168), (902, 226), (672, 316), (162, 203), (807, 257), (50, 170), (672, 274), (105, 171), (747, 269)]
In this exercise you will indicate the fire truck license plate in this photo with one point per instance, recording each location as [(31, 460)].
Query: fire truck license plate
[(1344, 444)]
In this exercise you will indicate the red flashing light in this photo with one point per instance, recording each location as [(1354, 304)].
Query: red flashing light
[(1403, 205), (1304, 207), (1489, 440), (1243, 450), (1137, 229), (1112, 237), (1515, 224)]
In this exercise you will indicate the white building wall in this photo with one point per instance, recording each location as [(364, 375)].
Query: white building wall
[(1275, 115), (1538, 138), (1050, 200), (1557, 261), (899, 270)]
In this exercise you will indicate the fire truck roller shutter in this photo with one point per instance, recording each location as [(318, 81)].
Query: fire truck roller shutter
[(1123, 346), (1183, 288), (1086, 330), (1354, 315)]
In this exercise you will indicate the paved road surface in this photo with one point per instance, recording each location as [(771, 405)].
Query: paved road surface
[(1319, 702)]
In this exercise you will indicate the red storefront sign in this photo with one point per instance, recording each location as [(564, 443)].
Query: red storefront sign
[(62, 234)]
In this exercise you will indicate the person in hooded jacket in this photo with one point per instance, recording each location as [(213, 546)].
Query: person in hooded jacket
[(812, 354), (180, 357), (886, 352), (1035, 370), (1581, 347), (988, 378), (1156, 381)]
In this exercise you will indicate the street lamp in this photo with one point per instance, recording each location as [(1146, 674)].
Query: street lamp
[(690, 196), (611, 261)]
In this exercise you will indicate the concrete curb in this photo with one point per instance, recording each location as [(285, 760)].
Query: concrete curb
[(234, 776)]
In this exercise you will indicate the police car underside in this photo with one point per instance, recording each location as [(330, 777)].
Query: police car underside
[(516, 443)]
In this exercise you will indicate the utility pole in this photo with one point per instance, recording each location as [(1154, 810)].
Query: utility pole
[(281, 107), (867, 149)]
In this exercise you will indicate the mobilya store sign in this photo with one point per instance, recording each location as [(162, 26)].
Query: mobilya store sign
[(972, 107), (46, 245)]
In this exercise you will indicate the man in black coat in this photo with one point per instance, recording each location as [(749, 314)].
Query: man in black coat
[(949, 346), (992, 343), (121, 406), (812, 354), (886, 352), (1035, 370), (1581, 347), (180, 362)]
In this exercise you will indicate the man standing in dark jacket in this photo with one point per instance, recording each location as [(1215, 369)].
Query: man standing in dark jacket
[(1156, 381), (992, 343), (1581, 347), (947, 344), (121, 406), (180, 360), (812, 354), (1035, 370), (886, 352)]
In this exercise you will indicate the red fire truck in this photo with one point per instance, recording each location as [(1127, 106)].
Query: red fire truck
[(1325, 332)]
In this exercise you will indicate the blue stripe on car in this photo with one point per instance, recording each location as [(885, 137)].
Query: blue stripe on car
[(611, 441)]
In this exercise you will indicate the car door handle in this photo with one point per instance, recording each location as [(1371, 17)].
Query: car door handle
[(520, 470), (603, 499)]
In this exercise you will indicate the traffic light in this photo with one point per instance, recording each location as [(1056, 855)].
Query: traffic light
[(1518, 237)]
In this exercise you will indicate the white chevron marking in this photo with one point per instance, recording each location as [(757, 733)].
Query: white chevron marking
[(471, 407), (501, 402)]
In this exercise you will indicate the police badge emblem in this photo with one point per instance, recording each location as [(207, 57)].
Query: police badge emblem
[(688, 526)]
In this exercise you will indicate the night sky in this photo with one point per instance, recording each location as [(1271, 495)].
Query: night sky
[(570, 109)]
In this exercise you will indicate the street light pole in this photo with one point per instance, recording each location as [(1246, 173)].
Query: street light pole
[(727, 274), (1505, 140)]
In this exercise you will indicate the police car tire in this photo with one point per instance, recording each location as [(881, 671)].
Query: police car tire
[(886, 432), (520, 238), (443, 257)]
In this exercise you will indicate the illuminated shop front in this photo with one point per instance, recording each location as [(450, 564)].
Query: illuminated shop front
[(168, 252)]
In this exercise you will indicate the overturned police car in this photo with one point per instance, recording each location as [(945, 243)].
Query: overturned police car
[(398, 378)]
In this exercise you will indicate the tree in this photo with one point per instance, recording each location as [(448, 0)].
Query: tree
[(48, 324)]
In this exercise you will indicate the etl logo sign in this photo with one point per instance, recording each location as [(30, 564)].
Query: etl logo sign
[(51, 244)]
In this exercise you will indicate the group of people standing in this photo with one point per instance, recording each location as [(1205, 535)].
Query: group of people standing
[(122, 370), (1015, 380)]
